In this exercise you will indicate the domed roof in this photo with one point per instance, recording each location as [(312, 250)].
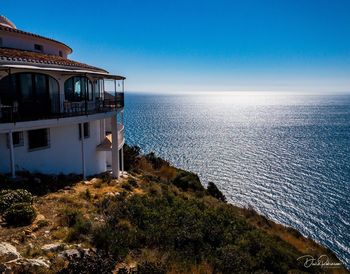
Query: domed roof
[(6, 22)]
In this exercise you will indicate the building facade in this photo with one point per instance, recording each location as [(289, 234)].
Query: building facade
[(56, 115)]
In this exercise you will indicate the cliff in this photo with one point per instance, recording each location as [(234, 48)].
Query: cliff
[(155, 219)]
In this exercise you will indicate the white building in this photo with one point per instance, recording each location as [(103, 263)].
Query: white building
[(55, 112)]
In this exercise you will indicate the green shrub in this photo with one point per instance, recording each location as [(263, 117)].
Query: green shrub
[(191, 231), (155, 161), (90, 263), (70, 216), (132, 182), (20, 214), (151, 268), (78, 224), (41, 184), (127, 186), (186, 180), (11, 197), (213, 190), (131, 155)]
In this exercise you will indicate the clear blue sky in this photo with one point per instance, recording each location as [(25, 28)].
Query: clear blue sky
[(185, 45)]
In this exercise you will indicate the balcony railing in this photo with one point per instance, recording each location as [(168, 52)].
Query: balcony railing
[(32, 111)]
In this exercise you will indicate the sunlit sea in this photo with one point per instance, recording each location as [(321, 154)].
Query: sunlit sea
[(285, 154)]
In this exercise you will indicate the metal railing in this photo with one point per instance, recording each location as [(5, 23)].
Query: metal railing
[(50, 110)]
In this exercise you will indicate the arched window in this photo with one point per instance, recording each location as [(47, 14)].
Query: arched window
[(77, 89), (33, 93)]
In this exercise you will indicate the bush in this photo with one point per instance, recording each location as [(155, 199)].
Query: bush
[(191, 231), (127, 186), (131, 155), (186, 180), (155, 161), (20, 214), (90, 263), (12, 197), (78, 224), (132, 182), (151, 268), (41, 184), (213, 190)]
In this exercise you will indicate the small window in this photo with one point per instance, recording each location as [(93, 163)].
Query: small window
[(0, 42), (60, 53), (86, 127), (17, 139), (39, 48), (38, 138)]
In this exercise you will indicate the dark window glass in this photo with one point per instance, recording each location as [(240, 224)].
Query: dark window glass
[(90, 94), (86, 127), (60, 53), (77, 89), (17, 139), (54, 95), (1, 42), (38, 47), (38, 138), (41, 86), (26, 86)]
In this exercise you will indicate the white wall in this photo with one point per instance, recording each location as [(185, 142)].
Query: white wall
[(26, 42), (63, 155)]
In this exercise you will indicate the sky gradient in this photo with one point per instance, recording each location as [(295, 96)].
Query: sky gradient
[(207, 45)]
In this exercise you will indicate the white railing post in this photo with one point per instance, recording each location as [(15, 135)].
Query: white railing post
[(115, 146)]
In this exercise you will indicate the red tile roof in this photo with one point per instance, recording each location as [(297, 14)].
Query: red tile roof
[(15, 56), (32, 34)]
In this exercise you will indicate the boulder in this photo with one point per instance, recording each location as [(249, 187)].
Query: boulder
[(24, 265), (54, 247), (77, 253), (8, 252)]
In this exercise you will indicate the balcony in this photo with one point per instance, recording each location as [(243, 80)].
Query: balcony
[(106, 144), (52, 109)]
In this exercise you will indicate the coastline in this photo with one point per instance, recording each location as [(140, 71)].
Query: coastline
[(149, 181)]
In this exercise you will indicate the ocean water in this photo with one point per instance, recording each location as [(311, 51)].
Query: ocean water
[(287, 155)]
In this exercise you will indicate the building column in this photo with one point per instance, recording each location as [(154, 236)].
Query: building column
[(82, 151), (122, 158), (102, 130), (12, 155), (115, 151)]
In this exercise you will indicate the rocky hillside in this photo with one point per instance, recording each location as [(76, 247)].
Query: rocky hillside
[(155, 219)]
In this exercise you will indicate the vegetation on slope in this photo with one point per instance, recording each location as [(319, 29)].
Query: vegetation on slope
[(159, 219)]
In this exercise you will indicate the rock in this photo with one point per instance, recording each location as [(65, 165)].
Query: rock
[(110, 194), (52, 247), (8, 252), (95, 181), (40, 217), (71, 253), (24, 265)]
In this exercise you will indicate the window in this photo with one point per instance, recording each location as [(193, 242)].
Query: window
[(17, 139), (60, 53), (35, 93), (39, 48), (77, 89), (0, 42), (86, 128), (38, 138)]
